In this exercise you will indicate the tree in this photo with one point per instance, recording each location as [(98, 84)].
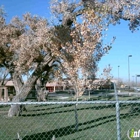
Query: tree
[(83, 40), (110, 11), (82, 47), (107, 73), (106, 78), (31, 45), (113, 11), (3, 75), (25, 47)]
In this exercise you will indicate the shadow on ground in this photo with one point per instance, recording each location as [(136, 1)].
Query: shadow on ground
[(63, 111), (64, 131)]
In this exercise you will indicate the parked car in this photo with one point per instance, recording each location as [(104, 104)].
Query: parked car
[(136, 89)]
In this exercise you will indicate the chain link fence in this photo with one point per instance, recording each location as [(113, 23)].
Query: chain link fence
[(83, 120), (95, 116)]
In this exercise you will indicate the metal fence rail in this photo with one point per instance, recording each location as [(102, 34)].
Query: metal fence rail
[(83, 120), (101, 116)]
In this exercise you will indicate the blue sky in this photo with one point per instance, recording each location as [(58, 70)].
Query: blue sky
[(126, 42)]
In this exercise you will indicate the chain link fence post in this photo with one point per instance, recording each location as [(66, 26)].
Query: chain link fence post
[(76, 117), (117, 114)]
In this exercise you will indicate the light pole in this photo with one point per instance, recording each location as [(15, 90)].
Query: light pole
[(129, 71), (118, 75), (118, 72), (133, 80), (136, 79)]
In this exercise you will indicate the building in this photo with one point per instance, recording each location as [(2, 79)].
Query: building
[(54, 86), (7, 91)]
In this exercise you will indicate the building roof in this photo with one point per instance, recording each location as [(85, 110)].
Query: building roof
[(9, 83), (52, 84)]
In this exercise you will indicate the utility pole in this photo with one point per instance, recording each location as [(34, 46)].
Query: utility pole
[(129, 71)]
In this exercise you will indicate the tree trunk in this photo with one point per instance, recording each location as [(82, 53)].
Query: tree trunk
[(17, 81), (42, 93), (23, 89), (21, 95), (79, 90)]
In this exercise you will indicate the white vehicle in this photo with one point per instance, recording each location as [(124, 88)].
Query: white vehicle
[(137, 89)]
